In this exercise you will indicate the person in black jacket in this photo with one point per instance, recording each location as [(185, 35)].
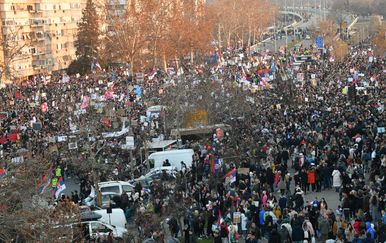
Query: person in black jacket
[(274, 237), (297, 234)]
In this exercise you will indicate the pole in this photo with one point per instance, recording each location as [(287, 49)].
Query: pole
[(286, 33), (275, 36)]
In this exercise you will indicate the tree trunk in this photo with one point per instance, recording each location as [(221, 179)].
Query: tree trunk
[(177, 63), (191, 56), (219, 37), (165, 63)]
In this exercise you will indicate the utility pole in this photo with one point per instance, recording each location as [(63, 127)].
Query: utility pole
[(285, 16)]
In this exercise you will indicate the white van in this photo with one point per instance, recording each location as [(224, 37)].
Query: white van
[(91, 230), (116, 217), (174, 156), (116, 187)]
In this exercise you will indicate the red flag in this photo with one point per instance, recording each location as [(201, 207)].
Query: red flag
[(106, 121), (13, 137), (18, 94)]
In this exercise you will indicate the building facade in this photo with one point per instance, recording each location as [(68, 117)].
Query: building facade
[(38, 35)]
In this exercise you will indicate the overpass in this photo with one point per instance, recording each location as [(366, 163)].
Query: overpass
[(255, 47)]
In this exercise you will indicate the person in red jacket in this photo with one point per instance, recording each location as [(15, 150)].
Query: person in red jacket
[(311, 178)]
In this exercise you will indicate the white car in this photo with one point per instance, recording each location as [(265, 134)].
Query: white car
[(107, 200), (157, 174), (91, 230), (116, 187)]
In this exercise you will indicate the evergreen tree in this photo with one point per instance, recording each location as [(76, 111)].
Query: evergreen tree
[(87, 42)]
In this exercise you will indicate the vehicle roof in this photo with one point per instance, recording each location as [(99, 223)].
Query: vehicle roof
[(113, 183), (163, 168), (174, 151)]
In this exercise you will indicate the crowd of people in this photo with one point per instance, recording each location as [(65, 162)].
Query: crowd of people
[(322, 139), (311, 128)]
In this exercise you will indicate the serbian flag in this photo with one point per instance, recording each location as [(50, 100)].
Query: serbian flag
[(60, 187), (231, 175), (263, 71), (216, 164), (85, 102)]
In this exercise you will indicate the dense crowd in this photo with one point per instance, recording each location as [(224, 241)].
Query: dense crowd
[(316, 133)]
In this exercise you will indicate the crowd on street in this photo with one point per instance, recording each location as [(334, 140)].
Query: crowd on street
[(315, 126)]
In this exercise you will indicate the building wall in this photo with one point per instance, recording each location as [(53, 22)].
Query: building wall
[(44, 30)]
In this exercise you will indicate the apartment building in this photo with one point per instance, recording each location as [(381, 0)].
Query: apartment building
[(38, 35)]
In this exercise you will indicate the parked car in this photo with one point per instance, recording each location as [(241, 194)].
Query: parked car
[(108, 199), (115, 218), (90, 230), (116, 187), (165, 173)]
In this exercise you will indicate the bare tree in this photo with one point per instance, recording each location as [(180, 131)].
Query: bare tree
[(12, 48)]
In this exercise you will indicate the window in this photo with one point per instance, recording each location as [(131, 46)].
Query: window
[(30, 8), (98, 227), (110, 189), (32, 50), (39, 35), (127, 188), (38, 7)]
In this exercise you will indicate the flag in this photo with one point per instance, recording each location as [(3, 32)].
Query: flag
[(95, 66), (60, 187), (85, 102), (98, 66), (263, 71), (146, 190), (216, 164), (109, 94), (231, 175), (273, 66), (374, 78), (152, 75), (219, 217), (43, 184), (13, 137), (106, 121)]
